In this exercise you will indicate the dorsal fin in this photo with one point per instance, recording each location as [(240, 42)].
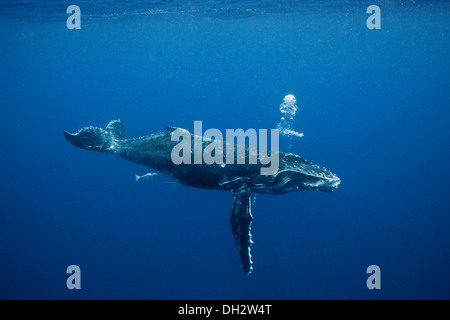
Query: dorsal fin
[(170, 129), (116, 128)]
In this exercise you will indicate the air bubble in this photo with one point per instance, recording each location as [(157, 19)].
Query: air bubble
[(288, 110)]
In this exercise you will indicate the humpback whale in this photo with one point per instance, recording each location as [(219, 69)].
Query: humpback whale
[(293, 173)]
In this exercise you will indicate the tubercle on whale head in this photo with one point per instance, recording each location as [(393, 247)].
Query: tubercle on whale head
[(297, 174), (330, 185), (324, 181), (295, 180)]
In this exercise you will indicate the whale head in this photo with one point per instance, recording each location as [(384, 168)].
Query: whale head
[(297, 174)]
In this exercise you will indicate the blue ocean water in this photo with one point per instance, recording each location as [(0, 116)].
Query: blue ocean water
[(373, 107)]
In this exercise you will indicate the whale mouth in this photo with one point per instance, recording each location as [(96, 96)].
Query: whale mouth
[(330, 185), (297, 180), (319, 178), (324, 184)]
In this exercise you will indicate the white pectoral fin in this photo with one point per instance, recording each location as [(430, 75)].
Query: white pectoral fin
[(241, 220)]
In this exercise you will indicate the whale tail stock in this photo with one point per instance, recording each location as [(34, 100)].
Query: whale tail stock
[(97, 139)]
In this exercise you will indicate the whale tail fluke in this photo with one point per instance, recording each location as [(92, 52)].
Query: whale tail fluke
[(137, 177), (97, 139), (116, 128)]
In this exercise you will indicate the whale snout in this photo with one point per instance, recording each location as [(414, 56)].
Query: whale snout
[(330, 184)]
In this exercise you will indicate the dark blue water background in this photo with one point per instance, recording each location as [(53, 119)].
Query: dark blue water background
[(373, 105)]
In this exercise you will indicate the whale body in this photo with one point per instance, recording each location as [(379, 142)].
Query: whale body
[(293, 173)]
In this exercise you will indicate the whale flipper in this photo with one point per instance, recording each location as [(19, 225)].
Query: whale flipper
[(241, 220)]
